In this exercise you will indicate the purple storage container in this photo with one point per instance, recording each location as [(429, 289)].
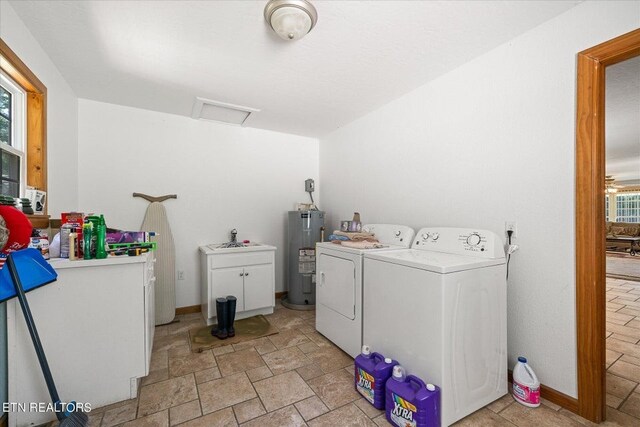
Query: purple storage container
[(372, 370), (411, 402)]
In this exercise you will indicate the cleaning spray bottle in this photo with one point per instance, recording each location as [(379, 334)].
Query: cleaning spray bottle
[(101, 237), (526, 387)]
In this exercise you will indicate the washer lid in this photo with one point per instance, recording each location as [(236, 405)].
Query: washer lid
[(328, 246), (436, 262)]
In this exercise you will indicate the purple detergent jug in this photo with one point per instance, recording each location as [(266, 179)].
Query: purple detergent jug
[(372, 372), (411, 402)]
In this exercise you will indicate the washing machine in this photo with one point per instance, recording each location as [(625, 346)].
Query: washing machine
[(440, 309), (339, 284)]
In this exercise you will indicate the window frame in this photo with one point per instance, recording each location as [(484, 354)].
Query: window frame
[(35, 123)]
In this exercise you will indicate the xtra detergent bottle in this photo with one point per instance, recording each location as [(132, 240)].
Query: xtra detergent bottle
[(372, 370), (411, 402), (526, 387)]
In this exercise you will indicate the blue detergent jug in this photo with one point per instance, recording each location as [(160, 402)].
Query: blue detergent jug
[(411, 402), (372, 370)]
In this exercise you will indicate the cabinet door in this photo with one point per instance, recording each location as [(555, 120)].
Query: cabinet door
[(149, 319), (258, 286), (226, 281)]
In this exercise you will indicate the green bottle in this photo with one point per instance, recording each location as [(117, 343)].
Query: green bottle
[(87, 229), (101, 237)]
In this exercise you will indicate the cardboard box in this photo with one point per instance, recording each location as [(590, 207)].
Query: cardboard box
[(127, 237), (73, 218)]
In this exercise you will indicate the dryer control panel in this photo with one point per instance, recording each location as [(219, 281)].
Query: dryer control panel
[(461, 241), (391, 234)]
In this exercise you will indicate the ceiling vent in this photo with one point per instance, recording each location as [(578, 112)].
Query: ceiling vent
[(221, 112)]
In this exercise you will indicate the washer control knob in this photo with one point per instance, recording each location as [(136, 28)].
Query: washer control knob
[(425, 236), (398, 233), (473, 239), (435, 236)]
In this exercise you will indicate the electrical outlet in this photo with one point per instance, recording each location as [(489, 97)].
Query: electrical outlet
[(513, 226), (309, 186), (180, 275)]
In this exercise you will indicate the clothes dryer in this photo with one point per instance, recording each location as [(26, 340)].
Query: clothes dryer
[(339, 284)]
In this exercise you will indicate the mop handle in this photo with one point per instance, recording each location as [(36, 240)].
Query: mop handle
[(34, 335)]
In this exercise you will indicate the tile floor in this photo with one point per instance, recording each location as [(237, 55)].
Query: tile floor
[(299, 378), (623, 345)]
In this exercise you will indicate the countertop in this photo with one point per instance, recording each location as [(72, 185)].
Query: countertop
[(60, 263)]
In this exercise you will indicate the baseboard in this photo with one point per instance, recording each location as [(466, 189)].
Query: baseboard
[(555, 396), (279, 295), (188, 310), (559, 398), (4, 421)]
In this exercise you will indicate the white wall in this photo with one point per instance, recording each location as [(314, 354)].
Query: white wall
[(225, 177), (62, 137), (62, 113), (488, 142)]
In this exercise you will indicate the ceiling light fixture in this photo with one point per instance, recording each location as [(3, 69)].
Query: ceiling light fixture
[(610, 184), (290, 19)]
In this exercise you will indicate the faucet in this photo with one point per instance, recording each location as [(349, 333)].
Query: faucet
[(233, 243)]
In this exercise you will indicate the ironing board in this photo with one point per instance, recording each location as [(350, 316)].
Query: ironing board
[(155, 219)]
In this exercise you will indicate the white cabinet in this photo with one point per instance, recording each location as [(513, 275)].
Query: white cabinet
[(149, 315), (223, 282), (256, 294), (247, 273), (96, 324)]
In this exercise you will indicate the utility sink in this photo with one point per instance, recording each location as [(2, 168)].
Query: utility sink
[(246, 247), (234, 246)]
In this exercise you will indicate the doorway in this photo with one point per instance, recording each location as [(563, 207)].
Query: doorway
[(591, 227), (622, 212)]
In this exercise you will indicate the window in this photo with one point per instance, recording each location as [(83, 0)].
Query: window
[(628, 207), (12, 145), (24, 121)]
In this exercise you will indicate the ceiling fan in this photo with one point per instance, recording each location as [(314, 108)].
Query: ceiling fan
[(610, 184)]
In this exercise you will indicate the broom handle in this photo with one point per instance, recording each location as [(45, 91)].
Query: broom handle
[(26, 311)]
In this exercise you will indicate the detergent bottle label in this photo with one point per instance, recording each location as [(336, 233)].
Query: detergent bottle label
[(366, 385), (403, 413), (526, 394)]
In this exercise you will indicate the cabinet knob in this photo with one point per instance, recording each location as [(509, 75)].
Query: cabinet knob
[(246, 274), (241, 274)]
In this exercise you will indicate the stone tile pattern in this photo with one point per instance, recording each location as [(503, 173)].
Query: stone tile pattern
[(300, 378), (623, 345)]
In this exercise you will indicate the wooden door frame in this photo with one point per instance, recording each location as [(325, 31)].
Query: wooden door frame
[(590, 219)]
